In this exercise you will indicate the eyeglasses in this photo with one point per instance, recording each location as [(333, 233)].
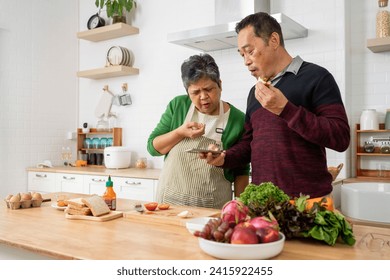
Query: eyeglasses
[(375, 242)]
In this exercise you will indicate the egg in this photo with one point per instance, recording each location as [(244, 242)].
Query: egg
[(25, 196), (15, 198)]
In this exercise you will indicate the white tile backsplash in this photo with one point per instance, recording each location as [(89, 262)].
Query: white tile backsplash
[(38, 85)]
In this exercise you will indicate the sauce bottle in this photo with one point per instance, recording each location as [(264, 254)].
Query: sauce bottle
[(110, 196)]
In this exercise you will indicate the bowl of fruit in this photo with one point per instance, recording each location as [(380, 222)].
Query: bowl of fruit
[(234, 236), (228, 251)]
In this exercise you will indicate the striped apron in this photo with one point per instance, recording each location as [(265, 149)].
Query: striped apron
[(187, 180)]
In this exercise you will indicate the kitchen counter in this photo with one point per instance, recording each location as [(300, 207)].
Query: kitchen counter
[(146, 173), (45, 231)]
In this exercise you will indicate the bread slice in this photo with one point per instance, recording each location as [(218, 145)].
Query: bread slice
[(97, 205), (72, 206), (76, 202), (81, 211)]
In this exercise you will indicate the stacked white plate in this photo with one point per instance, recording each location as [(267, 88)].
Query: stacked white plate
[(118, 55)]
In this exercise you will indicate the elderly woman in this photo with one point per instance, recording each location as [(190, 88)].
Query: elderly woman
[(196, 120)]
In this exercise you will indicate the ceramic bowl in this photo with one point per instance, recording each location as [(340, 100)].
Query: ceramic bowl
[(242, 251), (197, 224)]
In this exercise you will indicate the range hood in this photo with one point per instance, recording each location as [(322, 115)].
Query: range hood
[(222, 35)]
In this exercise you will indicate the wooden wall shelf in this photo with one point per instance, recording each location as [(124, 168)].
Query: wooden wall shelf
[(115, 133), (108, 32), (360, 154), (377, 45), (108, 72)]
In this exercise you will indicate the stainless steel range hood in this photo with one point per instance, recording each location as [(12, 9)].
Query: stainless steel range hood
[(222, 35)]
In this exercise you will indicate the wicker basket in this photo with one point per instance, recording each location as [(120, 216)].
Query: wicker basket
[(335, 170)]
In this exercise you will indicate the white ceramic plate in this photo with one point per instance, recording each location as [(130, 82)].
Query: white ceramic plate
[(126, 57), (197, 224), (54, 205), (228, 251), (131, 61)]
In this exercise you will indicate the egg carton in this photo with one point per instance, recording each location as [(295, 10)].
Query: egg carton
[(23, 203)]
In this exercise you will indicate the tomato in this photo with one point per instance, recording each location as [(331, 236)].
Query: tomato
[(163, 206), (151, 206)]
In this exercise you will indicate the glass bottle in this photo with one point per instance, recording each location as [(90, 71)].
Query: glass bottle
[(110, 196), (382, 20), (64, 156)]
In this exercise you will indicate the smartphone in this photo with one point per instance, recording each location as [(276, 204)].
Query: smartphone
[(204, 151)]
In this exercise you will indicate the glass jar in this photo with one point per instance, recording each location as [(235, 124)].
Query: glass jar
[(95, 143), (102, 125), (382, 20), (88, 143), (369, 120), (141, 163), (110, 141), (369, 147), (385, 148), (103, 142)]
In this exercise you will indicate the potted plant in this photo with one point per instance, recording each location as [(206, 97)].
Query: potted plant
[(116, 8)]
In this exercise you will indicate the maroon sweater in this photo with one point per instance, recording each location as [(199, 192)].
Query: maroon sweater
[(289, 150)]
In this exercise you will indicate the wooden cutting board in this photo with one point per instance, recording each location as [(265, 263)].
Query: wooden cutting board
[(110, 216), (170, 216)]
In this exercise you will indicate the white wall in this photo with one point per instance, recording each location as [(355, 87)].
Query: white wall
[(370, 72), (38, 85)]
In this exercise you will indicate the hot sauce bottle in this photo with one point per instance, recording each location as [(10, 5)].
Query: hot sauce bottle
[(110, 196)]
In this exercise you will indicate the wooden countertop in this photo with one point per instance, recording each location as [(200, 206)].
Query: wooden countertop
[(147, 173), (45, 230)]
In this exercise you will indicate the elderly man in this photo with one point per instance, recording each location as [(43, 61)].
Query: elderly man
[(293, 113)]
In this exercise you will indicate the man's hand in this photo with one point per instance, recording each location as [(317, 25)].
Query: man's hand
[(270, 98)]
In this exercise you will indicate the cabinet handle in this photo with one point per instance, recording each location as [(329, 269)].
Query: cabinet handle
[(68, 178), (133, 183), (41, 176), (98, 180)]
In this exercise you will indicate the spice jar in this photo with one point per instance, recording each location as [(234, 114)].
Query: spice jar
[(141, 163), (369, 147), (385, 148), (382, 20)]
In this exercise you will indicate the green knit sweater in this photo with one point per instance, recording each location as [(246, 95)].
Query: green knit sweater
[(174, 116)]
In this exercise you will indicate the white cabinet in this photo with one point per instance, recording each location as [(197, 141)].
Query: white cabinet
[(135, 188), (68, 182), (43, 182), (124, 187), (95, 184)]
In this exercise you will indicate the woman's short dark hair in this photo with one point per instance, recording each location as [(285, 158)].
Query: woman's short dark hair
[(197, 67), (263, 25)]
